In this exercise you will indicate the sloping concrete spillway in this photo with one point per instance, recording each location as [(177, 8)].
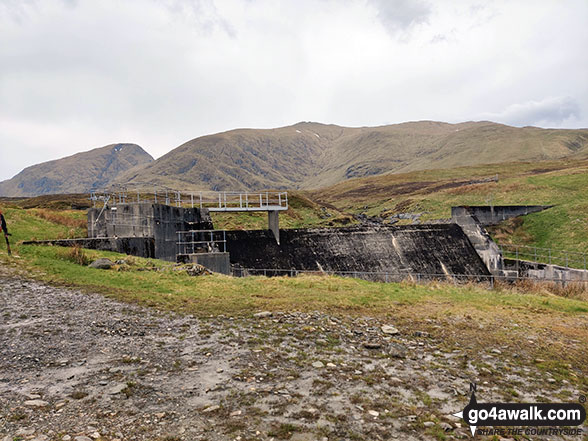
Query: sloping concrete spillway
[(417, 249)]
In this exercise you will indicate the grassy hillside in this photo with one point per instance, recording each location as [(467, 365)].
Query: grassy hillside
[(312, 155), (432, 193), (78, 173)]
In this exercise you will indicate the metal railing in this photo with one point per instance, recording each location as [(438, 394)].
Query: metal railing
[(568, 259), (389, 277), (212, 200), (201, 241)]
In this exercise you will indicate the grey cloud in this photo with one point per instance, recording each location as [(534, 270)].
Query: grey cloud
[(401, 15), (549, 112)]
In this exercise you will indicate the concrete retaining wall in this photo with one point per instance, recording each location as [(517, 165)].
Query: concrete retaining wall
[(544, 271), (217, 262), (494, 214), (135, 246), (426, 249)]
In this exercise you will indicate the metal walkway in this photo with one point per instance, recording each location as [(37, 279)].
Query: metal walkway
[(214, 201), (218, 201)]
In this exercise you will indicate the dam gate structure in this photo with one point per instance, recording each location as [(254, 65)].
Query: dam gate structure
[(180, 228), (177, 223), (177, 226)]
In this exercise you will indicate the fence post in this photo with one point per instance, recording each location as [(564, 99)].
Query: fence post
[(192, 199), (492, 282)]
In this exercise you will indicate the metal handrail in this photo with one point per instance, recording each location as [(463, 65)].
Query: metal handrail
[(212, 200), (551, 256), (199, 237), (399, 276)]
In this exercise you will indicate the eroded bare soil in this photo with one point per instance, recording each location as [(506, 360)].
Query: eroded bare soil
[(79, 366)]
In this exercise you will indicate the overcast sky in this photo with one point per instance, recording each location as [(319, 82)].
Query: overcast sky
[(79, 74)]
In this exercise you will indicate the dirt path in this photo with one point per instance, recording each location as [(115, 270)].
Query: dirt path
[(78, 366)]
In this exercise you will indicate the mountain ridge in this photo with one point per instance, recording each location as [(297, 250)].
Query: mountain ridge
[(77, 173), (310, 155), (306, 155)]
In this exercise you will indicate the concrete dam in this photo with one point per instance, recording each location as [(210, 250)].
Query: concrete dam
[(399, 250), (185, 233), (163, 231)]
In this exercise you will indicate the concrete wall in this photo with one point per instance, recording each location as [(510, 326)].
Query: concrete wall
[(216, 262), (426, 249), (486, 248), (492, 215), (135, 246), (157, 221), (544, 271)]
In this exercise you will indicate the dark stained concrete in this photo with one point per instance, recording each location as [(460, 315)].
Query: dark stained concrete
[(425, 249), (494, 214)]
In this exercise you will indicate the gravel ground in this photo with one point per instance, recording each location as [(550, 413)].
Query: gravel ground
[(78, 366)]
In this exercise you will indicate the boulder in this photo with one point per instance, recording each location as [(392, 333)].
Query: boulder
[(102, 263)]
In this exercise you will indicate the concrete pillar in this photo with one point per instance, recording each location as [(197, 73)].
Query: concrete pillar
[(274, 224)]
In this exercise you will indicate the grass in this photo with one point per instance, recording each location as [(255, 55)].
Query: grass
[(461, 308), (218, 294), (432, 193)]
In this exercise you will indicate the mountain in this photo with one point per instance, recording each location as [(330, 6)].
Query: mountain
[(312, 155), (78, 173)]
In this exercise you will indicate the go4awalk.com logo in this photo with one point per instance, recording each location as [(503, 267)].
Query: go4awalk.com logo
[(529, 416)]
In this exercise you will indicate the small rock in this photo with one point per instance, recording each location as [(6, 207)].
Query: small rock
[(428, 424), (446, 427), (262, 314), (24, 432), (372, 345), (95, 435), (331, 365), (397, 350), (496, 351), (211, 408), (102, 263), (117, 389), (236, 413), (60, 404), (66, 438), (318, 364), (374, 413), (40, 438), (36, 403), (390, 330), (82, 438)]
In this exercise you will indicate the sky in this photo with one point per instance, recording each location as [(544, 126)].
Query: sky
[(80, 74)]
